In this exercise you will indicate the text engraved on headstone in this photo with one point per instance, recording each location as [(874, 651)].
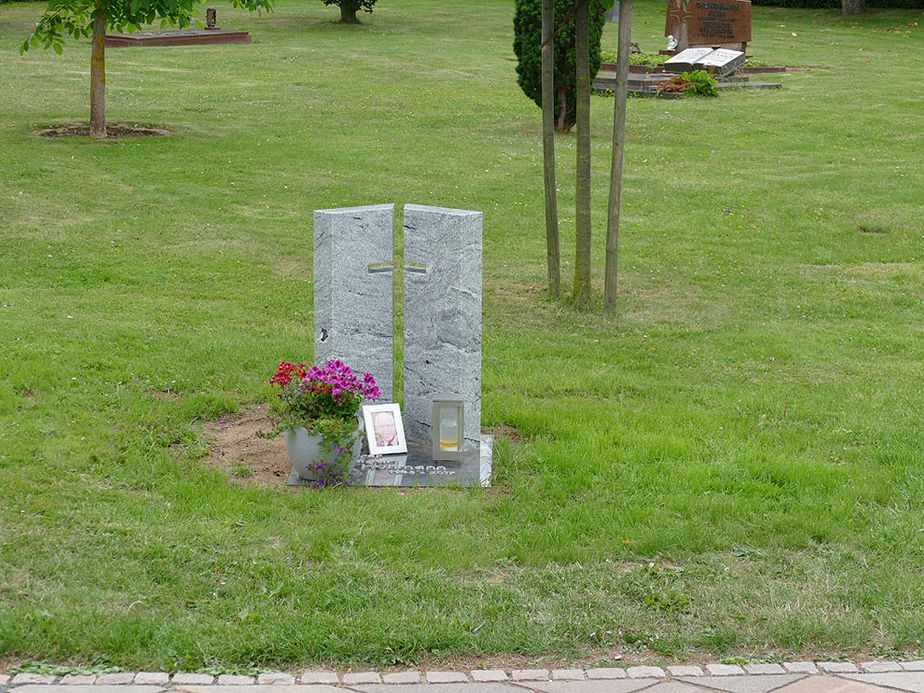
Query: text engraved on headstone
[(708, 22)]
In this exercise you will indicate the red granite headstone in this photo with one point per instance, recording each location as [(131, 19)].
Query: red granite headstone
[(716, 23)]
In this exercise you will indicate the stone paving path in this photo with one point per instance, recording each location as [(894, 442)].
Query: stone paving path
[(788, 677)]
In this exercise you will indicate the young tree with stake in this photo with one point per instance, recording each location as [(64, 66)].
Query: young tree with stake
[(82, 18)]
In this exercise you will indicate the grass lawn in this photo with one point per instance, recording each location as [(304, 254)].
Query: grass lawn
[(729, 465)]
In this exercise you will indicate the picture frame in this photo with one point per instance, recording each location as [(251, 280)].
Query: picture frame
[(384, 429)]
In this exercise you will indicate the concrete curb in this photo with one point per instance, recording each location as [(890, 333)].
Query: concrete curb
[(758, 676)]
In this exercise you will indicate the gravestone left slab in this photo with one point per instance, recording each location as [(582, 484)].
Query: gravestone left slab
[(354, 290)]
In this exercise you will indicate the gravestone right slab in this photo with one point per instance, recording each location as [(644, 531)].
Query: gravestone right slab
[(442, 317)]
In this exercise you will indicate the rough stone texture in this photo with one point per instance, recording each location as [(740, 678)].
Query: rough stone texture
[(758, 683), (829, 684), (684, 670), (402, 677), (880, 667), (184, 679), (724, 669), (235, 680), (310, 677), (4, 679), (275, 678), (78, 680), (56, 688), (596, 686), (529, 675), (446, 677), (903, 680), (488, 675), (764, 669), (357, 677), (673, 687), (28, 677), (442, 316), (567, 674), (838, 667), (606, 673), (466, 687), (800, 667), (120, 678), (154, 678), (353, 298), (916, 665), (645, 672), (279, 688)]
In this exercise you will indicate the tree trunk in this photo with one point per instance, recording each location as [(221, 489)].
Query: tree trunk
[(851, 7), (619, 146), (348, 14), (98, 78), (581, 291), (562, 123), (553, 255)]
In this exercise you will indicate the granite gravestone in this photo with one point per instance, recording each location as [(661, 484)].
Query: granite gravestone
[(442, 317), (714, 23), (354, 290), (353, 302)]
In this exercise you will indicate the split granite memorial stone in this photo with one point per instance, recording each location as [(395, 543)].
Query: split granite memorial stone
[(354, 322)]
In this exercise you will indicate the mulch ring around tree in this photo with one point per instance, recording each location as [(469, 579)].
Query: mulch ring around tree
[(112, 130)]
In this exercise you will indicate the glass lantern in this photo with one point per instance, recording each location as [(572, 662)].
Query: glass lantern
[(448, 429)]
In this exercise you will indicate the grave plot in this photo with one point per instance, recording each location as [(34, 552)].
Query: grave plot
[(354, 322), (210, 35)]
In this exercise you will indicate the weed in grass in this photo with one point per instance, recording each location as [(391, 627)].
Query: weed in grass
[(48, 668), (241, 469)]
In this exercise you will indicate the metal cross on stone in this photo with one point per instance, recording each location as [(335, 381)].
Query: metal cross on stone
[(354, 290)]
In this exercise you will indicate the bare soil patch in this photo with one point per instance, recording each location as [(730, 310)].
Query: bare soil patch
[(243, 448), (112, 130)]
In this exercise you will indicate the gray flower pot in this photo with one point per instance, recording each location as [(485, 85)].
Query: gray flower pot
[(305, 449)]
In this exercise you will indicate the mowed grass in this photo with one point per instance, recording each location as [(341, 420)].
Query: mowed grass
[(730, 464)]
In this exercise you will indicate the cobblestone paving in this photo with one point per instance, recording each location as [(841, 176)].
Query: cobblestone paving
[(786, 677)]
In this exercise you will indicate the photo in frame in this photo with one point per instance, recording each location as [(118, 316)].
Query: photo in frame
[(384, 429)]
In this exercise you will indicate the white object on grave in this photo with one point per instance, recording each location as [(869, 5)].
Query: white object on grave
[(723, 61), (685, 60)]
